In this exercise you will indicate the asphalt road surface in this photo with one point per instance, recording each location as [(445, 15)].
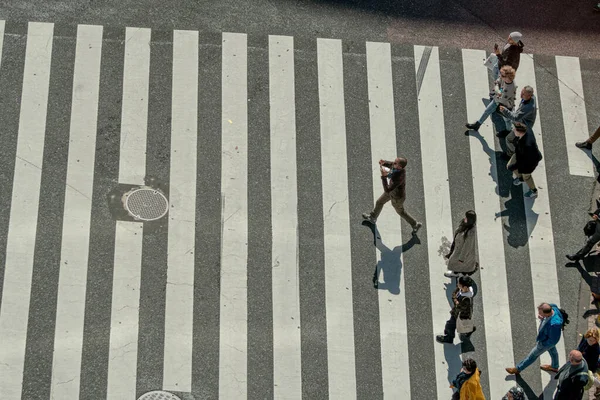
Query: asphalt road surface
[(262, 124)]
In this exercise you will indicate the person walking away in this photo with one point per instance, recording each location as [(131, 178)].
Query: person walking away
[(467, 383), (510, 53), (504, 95), (589, 141), (515, 393), (525, 160), (551, 326), (463, 258), (461, 312), (525, 112), (572, 378), (589, 347), (394, 190), (592, 231)]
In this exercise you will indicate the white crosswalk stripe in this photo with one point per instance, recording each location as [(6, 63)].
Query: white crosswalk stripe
[(229, 348)]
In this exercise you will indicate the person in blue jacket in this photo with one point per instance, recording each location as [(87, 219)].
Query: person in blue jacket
[(551, 326)]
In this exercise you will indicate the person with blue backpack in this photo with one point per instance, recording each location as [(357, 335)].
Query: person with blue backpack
[(552, 322)]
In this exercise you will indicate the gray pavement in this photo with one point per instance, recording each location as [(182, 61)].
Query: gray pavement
[(450, 26)]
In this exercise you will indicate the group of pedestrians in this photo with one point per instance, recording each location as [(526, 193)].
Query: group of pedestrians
[(462, 259)]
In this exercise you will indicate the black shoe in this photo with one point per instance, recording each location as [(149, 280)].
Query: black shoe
[(584, 145), (502, 134), (572, 257), (443, 339), (474, 126)]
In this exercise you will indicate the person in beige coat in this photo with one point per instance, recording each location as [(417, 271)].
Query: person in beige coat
[(463, 258)]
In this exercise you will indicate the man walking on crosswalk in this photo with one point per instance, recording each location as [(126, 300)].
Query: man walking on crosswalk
[(551, 326), (525, 112), (525, 160), (393, 178)]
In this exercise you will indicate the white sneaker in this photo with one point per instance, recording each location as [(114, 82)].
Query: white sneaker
[(416, 228), (531, 194), (517, 182), (451, 274), (367, 217)]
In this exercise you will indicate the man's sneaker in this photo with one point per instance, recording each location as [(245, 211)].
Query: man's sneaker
[(517, 181), (572, 257), (367, 217), (450, 274), (512, 370), (584, 145), (531, 194), (474, 126), (443, 339), (416, 228), (548, 368)]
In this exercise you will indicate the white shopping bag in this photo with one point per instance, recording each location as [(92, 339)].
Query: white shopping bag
[(491, 61)]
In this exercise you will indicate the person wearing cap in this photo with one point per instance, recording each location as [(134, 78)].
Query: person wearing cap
[(572, 378), (525, 112), (510, 53), (515, 393), (587, 144), (592, 231), (504, 95), (549, 332), (525, 160)]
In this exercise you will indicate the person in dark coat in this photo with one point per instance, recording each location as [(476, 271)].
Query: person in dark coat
[(590, 349), (463, 309), (526, 158), (572, 378), (525, 112), (592, 231), (510, 54)]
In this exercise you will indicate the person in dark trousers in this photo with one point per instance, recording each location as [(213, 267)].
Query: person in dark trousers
[(394, 190), (592, 231), (463, 258), (504, 94), (510, 54), (525, 112), (590, 349), (587, 144), (463, 309), (551, 326), (572, 378), (525, 160)]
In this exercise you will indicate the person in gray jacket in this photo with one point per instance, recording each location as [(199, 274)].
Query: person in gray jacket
[(525, 112), (462, 259), (572, 378)]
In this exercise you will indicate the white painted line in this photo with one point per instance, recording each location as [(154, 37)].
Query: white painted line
[(437, 210), (336, 222), (122, 364), (539, 227), (2, 25), (574, 116), (72, 281), (494, 289), (392, 304), (179, 309), (233, 343), (22, 227), (287, 376)]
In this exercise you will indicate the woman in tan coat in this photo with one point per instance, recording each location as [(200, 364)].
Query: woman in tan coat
[(463, 259)]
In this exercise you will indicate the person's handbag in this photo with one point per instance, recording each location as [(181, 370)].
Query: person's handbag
[(464, 325), (491, 61)]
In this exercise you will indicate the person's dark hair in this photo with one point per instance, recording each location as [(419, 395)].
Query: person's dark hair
[(520, 127), (465, 281), (469, 364), (403, 161), (465, 227)]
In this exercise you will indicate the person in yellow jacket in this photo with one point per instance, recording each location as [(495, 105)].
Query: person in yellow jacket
[(467, 384)]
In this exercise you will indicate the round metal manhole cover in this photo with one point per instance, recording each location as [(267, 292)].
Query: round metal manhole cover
[(146, 204), (158, 395)]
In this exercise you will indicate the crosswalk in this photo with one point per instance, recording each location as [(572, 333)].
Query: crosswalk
[(257, 283)]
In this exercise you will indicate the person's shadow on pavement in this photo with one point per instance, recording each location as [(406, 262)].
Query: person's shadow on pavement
[(389, 267)]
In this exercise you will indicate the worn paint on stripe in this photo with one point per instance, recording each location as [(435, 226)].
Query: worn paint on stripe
[(336, 221), (392, 303), (77, 213), (24, 208), (494, 290), (574, 115), (233, 344), (122, 365), (284, 215)]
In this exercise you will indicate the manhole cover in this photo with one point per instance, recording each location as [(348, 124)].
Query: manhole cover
[(158, 395), (146, 204)]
